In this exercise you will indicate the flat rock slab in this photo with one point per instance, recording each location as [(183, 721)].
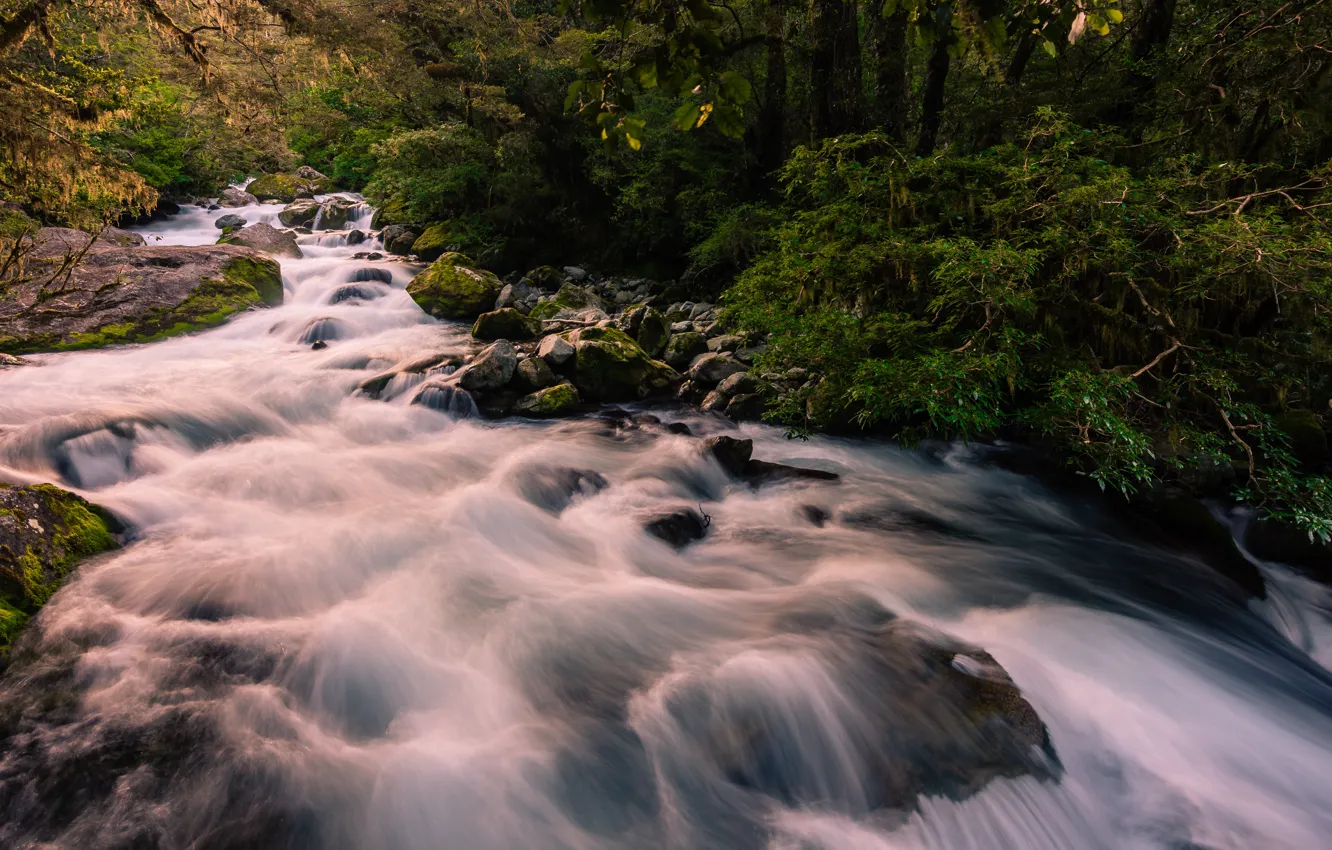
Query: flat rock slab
[(114, 294)]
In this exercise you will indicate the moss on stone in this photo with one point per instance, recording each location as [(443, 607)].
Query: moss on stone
[(285, 187), (45, 533), (610, 366), (505, 323), (448, 290), (246, 282), (552, 401), (433, 242)]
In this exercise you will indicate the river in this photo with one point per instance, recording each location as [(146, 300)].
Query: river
[(348, 622)]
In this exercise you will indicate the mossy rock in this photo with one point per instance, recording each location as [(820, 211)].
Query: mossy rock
[(682, 348), (570, 297), (448, 290), (286, 187), (610, 366), (162, 292), (505, 323), (653, 332), (552, 401), (392, 211), (433, 242), (44, 533), (545, 277)]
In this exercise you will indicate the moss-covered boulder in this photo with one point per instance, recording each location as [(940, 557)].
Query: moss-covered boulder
[(570, 297), (286, 187), (132, 294), (44, 533), (610, 366), (448, 290), (653, 332), (433, 242), (552, 401), (505, 323)]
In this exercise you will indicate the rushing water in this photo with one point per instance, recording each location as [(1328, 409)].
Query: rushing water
[(360, 623)]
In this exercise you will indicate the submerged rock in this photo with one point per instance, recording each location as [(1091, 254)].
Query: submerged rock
[(679, 529), (266, 238), (730, 452), (449, 291), (554, 488), (133, 294), (44, 533)]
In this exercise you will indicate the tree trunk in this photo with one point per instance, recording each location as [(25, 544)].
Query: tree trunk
[(772, 113), (1154, 25), (888, 51), (834, 67), (936, 78)]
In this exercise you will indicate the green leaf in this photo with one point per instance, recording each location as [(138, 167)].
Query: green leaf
[(1048, 46), (575, 88), (1114, 16), (1097, 24), (735, 88), (685, 116)]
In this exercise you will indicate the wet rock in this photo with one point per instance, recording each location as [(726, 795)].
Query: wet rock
[(446, 398), (505, 323), (551, 401), (679, 428), (679, 529), (233, 197), (933, 716), (712, 369), (554, 488), (682, 348), (534, 374), (492, 368), (355, 237), (764, 472), (731, 453), (334, 214), (318, 345), (817, 516), (266, 238), (900, 519), (229, 220), (322, 330), (555, 350), (571, 297), (44, 533), (449, 291), (1186, 523), (609, 366), (133, 294), (299, 213), (394, 232), (363, 275), (9, 361)]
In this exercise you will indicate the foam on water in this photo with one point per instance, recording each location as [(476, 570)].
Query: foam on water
[(377, 624)]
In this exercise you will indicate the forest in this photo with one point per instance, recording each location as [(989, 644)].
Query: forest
[(1099, 226)]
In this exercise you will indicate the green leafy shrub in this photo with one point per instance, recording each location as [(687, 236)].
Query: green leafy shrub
[(1144, 320)]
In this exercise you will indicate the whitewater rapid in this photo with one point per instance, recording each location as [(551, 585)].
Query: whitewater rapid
[(364, 621)]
